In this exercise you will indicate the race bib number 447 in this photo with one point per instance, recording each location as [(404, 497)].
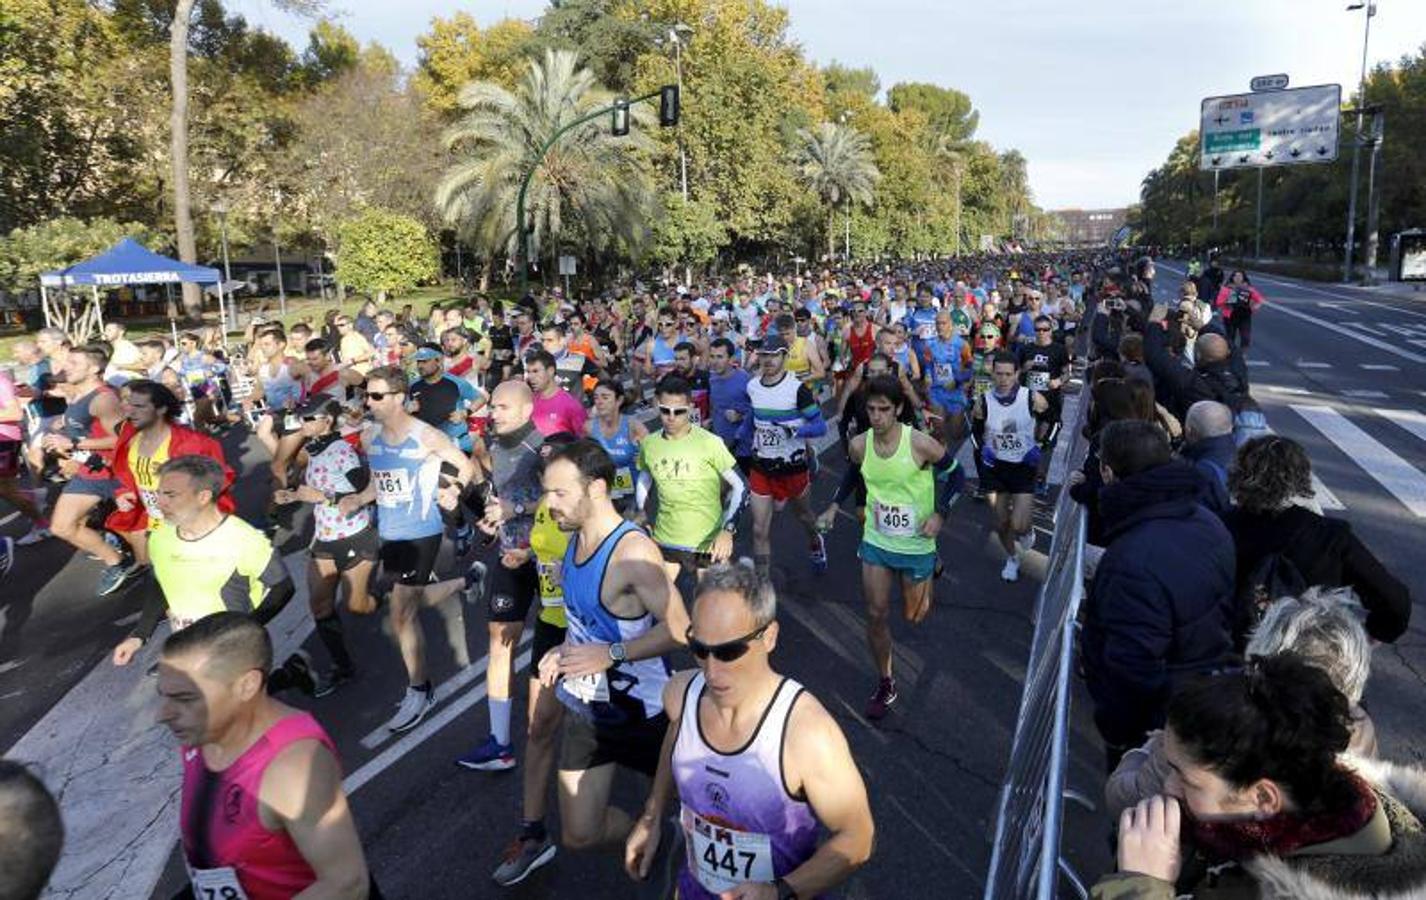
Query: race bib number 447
[(722, 858)]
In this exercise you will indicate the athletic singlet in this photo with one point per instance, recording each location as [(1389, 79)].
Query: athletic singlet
[(515, 474), (862, 345), (797, 362), (548, 543), (225, 844), (947, 359), (777, 417), (228, 569), (329, 383), (327, 467), (145, 471), (279, 388), (922, 323), (406, 476), (80, 423), (901, 495), (740, 823), (622, 452), (661, 354), (630, 691), (1009, 426)]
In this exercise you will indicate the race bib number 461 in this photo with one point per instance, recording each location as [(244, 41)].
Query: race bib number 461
[(393, 486), (722, 858)]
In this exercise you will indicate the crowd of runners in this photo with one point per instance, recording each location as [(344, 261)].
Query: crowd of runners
[(605, 471)]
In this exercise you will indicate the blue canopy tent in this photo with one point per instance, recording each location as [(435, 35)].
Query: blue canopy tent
[(127, 262)]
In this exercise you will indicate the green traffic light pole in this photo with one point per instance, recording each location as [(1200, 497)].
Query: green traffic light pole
[(520, 222)]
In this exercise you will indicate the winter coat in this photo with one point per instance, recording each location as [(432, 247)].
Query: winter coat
[(1385, 860), (1212, 457), (1178, 387), (182, 441), (1326, 552), (1161, 608)]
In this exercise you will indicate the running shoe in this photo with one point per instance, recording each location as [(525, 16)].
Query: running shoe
[(332, 679), (113, 577), (1025, 542), (1011, 572), (475, 583), (1042, 489), (299, 673), (817, 553), (490, 757), (523, 856), (36, 534), (412, 710), (7, 555), (881, 701)]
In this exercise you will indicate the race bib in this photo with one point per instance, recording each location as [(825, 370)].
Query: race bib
[(1009, 445), (216, 884), (945, 373), (926, 330), (694, 416), (623, 481), (982, 385), (722, 858), (393, 486), (150, 501), (551, 587), (589, 688), (895, 521), (770, 439), (1037, 381)]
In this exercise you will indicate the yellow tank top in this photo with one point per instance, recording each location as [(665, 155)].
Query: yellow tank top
[(145, 469), (797, 362), (549, 543)]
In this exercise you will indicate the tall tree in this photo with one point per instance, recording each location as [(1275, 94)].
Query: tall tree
[(949, 113), (836, 163), (456, 51)]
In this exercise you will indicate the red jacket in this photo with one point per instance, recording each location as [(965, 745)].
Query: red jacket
[(1225, 299), (182, 441)]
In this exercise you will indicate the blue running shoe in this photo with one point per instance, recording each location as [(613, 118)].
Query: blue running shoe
[(489, 757)]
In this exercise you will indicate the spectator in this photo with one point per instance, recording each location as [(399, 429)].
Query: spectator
[(31, 833), (1208, 445), (1323, 628), (1131, 354), (1265, 804), (1161, 605), (367, 323), (1217, 373), (1110, 401), (1283, 545)]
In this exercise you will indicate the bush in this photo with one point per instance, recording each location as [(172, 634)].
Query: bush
[(381, 252)]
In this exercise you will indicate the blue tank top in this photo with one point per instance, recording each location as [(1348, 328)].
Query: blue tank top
[(622, 451), (662, 354), (630, 691), (406, 476), (945, 360)]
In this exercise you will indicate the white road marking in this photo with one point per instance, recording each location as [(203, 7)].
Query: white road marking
[(1365, 395), (1417, 342), (1331, 327), (1281, 389), (1258, 363), (418, 735), (1313, 365), (1375, 330), (1338, 306), (1403, 480), (1380, 367), (1409, 419), (11, 664), (1324, 497), (445, 690)]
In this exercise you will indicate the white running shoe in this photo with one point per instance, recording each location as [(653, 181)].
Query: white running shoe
[(1011, 572), (34, 536), (1026, 542), (412, 710)]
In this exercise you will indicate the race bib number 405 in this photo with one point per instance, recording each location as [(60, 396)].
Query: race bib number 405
[(722, 858), (393, 486), (895, 521)]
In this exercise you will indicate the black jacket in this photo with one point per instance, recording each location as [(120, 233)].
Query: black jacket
[(1178, 387), (1213, 457), (1325, 552), (1161, 608)]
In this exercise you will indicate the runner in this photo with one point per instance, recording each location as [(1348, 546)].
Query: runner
[(85, 444), (656, 352), (344, 547), (571, 366), (948, 371), (1042, 368), (785, 417), (730, 411), (555, 409), (685, 366), (688, 467), (1004, 423), (620, 435), (512, 458), (1237, 302), (910, 480), (263, 814), (757, 764), (405, 457), (610, 672), (442, 400)]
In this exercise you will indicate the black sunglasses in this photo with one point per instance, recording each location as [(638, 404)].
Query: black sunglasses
[(729, 651), (378, 396), (314, 417), (673, 410)]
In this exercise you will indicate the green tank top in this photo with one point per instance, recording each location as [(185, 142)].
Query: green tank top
[(900, 496)]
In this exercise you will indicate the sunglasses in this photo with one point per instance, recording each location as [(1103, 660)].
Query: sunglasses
[(727, 652), (312, 418), (1042, 328), (378, 396), (673, 410)]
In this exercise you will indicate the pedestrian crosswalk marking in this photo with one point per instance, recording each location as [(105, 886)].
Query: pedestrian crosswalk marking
[(1313, 365), (1409, 419), (1403, 480), (1380, 367), (1329, 327), (1258, 363), (1324, 496), (1365, 327), (1365, 394)]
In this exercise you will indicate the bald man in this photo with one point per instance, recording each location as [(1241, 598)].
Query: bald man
[(1217, 373), (1208, 444), (512, 458), (31, 833)]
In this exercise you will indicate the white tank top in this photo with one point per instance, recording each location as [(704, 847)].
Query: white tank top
[(1009, 428)]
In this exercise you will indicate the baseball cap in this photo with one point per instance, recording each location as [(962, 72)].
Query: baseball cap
[(773, 343), (425, 352)]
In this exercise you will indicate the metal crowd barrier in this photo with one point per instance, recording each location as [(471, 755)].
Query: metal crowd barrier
[(1025, 857)]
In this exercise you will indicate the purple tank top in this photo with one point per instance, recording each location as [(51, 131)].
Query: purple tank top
[(740, 822)]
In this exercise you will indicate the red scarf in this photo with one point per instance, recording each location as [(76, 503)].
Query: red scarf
[(1284, 833)]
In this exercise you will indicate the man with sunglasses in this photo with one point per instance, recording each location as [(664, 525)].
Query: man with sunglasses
[(623, 611), (785, 417), (688, 466), (405, 457), (1042, 370), (757, 764), (657, 352)]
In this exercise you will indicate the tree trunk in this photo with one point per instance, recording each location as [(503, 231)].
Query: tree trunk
[(832, 232), (178, 128)]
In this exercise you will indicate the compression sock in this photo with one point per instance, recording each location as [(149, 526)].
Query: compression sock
[(533, 831), (329, 630), (500, 721)]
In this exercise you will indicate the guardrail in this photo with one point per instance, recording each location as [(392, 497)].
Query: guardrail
[(1025, 856)]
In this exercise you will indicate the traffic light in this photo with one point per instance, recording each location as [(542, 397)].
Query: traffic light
[(621, 117), (668, 105)]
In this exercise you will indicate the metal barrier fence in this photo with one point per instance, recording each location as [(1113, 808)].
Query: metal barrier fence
[(1025, 860)]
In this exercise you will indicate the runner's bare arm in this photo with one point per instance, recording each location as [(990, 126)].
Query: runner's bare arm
[(302, 791), (926, 449), (820, 764), (447, 452), (642, 571)]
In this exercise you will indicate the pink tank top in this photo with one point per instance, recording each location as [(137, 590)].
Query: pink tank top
[(267, 863)]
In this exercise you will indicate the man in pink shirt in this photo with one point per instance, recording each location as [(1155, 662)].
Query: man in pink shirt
[(555, 410)]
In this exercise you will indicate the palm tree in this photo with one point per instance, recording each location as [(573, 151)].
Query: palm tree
[(591, 185), (836, 164)]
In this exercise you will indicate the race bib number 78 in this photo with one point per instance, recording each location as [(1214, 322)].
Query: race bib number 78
[(216, 884)]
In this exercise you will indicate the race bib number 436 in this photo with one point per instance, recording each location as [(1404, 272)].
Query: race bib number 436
[(722, 858)]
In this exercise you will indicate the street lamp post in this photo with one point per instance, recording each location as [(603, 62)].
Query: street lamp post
[(1370, 7), (277, 253), (675, 34), (221, 208)]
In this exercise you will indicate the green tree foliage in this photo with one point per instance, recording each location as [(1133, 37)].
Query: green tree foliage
[(56, 243), (383, 253), (456, 52), (950, 117), (591, 189), (331, 51), (836, 164), (690, 233), (609, 44)]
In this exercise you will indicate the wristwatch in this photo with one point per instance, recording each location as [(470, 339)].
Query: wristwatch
[(519, 509), (731, 526), (784, 890), (617, 652)]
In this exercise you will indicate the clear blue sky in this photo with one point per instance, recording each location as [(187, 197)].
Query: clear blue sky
[(1093, 92)]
